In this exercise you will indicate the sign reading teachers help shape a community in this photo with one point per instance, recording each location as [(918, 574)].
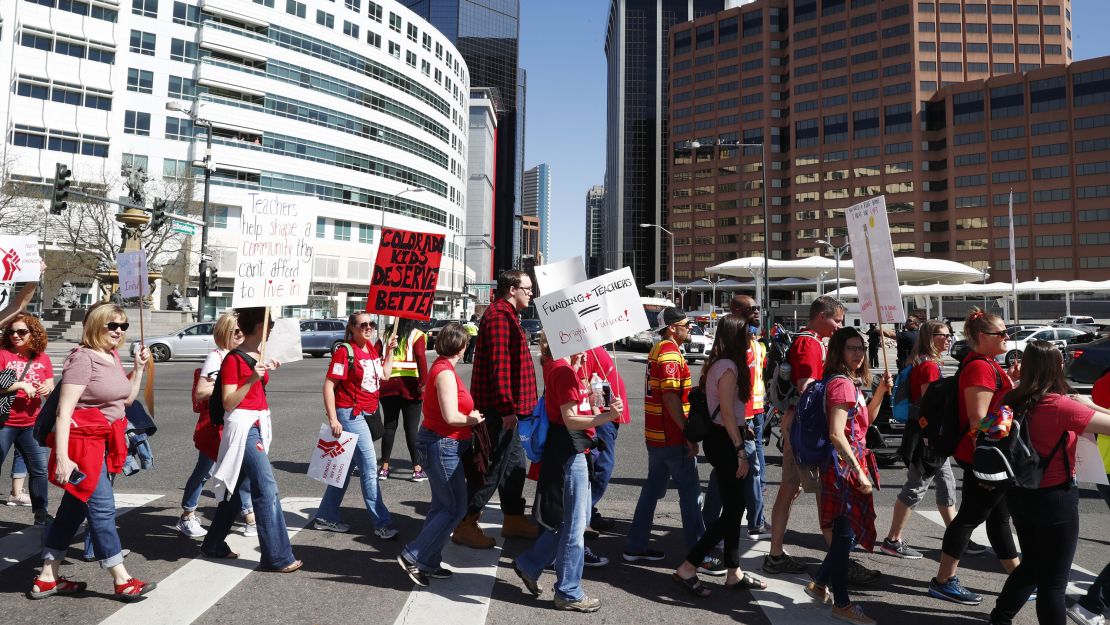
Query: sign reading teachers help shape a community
[(273, 264), (592, 313), (880, 300)]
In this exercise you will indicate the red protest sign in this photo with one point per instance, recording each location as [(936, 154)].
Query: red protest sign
[(405, 274)]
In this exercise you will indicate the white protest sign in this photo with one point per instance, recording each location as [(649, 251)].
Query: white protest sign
[(273, 264), (331, 457), (592, 313), (1088, 462), (134, 281), (560, 275), (873, 260), (283, 343), (19, 259)]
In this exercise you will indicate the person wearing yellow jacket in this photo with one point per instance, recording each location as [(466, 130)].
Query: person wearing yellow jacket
[(402, 396)]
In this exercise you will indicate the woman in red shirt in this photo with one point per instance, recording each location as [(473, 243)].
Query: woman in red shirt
[(444, 436), (23, 352), (1047, 518)]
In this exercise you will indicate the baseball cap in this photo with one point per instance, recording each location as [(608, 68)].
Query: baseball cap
[(671, 316)]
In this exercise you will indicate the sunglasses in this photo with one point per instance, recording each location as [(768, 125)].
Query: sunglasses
[(20, 332), (113, 326), (1001, 333), (366, 325), (944, 334)]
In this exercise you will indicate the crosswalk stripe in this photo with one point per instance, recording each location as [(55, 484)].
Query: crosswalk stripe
[(194, 588), (784, 602), (466, 596), (26, 543)]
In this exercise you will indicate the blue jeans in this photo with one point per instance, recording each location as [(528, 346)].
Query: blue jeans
[(759, 421), (273, 536), (833, 573), (19, 465), (367, 465), (664, 464), (567, 546), (35, 458), (101, 513), (604, 461), (753, 492), (449, 501), (195, 484)]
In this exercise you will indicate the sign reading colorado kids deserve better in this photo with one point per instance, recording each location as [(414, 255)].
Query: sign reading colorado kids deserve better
[(880, 300), (592, 313), (405, 274), (273, 265)]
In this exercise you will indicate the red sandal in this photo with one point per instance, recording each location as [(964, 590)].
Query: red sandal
[(133, 589), (42, 589)]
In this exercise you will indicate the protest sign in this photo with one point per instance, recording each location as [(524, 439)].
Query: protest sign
[(283, 343), (405, 274), (1088, 461), (880, 300), (273, 264), (19, 259), (592, 313), (560, 275), (134, 281), (331, 457)]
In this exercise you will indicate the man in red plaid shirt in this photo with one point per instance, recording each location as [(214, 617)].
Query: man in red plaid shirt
[(503, 383)]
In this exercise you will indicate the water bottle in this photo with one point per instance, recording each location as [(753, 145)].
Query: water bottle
[(596, 393)]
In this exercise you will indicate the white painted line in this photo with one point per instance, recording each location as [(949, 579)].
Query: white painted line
[(194, 588), (784, 602), (27, 543), (465, 597)]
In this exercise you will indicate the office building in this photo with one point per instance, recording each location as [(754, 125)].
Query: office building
[(482, 172), (595, 231), (536, 202), (531, 237)]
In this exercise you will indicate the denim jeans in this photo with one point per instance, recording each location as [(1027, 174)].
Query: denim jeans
[(35, 457), (448, 483), (759, 421), (367, 465), (664, 464), (273, 537), (101, 513), (567, 546), (19, 465), (834, 570), (604, 461), (195, 484)]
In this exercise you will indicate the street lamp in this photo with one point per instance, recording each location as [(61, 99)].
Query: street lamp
[(393, 198), (671, 235), (838, 251), (174, 105), (455, 258), (986, 274)]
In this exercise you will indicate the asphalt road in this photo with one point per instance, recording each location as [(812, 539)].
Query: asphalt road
[(353, 577)]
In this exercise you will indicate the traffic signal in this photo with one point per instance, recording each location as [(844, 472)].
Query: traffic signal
[(62, 181), (157, 215), (210, 277)]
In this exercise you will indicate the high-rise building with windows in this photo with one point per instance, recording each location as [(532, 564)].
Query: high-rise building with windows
[(536, 202), (595, 231)]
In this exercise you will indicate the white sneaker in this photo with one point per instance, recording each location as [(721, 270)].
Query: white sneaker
[(22, 499), (1081, 615), (386, 533), (190, 527), (250, 529)]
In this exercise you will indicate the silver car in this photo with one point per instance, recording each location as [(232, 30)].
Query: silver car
[(192, 340), (319, 337)]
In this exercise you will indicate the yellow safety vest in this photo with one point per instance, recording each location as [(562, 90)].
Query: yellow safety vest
[(758, 390), (404, 361)]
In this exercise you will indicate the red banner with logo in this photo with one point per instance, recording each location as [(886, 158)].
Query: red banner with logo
[(405, 274)]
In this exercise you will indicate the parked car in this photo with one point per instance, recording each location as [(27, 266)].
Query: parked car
[(320, 337), (1074, 320), (192, 340), (704, 317), (960, 348), (1087, 362), (641, 341), (532, 328), (431, 332), (1058, 336), (697, 348)]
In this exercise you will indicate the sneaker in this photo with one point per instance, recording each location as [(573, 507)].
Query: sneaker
[(594, 561), (899, 549), (585, 604), (331, 526), (22, 499), (190, 527), (760, 533), (712, 565), (386, 533), (409, 567), (530, 583), (975, 549), (859, 575), (953, 591), (440, 573), (818, 593), (43, 518), (250, 529), (383, 473), (418, 476), (650, 555), (602, 524), (1083, 616), (782, 564), (852, 613)]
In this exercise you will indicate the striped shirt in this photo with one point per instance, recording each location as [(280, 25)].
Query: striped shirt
[(666, 371)]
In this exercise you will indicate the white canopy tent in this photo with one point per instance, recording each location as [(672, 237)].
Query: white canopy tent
[(909, 268), (940, 291)]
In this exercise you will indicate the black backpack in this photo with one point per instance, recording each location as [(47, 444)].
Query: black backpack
[(216, 401), (939, 420), (699, 421), (1012, 460)]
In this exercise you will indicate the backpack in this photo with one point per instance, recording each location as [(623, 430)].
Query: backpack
[(903, 409), (216, 401), (1012, 460), (782, 394), (698, 420), (532, 431), (939, 420), (809, 431)]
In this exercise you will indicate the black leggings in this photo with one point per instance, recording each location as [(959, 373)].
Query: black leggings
[(722, 455), (393, 408), (1047, 522), (979, 505)]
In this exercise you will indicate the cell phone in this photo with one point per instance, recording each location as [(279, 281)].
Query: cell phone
[(76, 477)]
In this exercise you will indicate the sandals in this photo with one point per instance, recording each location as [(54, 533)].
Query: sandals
[(692, 585), (747, 582), (61, 586), (132, 589), (289, 568)]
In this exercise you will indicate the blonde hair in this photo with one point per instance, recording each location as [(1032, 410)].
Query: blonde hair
[(93, 334), (224, 330), (545, 347)]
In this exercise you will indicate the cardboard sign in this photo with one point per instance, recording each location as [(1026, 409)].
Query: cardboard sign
[(592, 313), (880, 300), (405, 274), (134, 281), (19, 259), (283, 343), (560, 275), (273, 264), (331, 457), (1088, 462)]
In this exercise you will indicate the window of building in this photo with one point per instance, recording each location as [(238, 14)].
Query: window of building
[(1091, 87), (349, 29), (181, 50), (342, 230), (142, 43), (136, 123), (365, 233), (145, 8), (354, 5), (325, 19), (1008, 101), (394, 22), (179, 129), (140, 81), (182, 88), (374, 39), (187, 14), (395, 50)]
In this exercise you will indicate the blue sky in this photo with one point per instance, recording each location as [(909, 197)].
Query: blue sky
[(562, 45)]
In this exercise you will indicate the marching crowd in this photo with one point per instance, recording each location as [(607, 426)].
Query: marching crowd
[(464, 443)]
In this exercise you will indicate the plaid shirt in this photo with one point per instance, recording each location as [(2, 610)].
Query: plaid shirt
[(504, 379)]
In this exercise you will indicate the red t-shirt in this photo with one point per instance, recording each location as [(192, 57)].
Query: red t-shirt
[(24, 408), (356, 386), (1051, 418), (979, 370), (841, 390), (922, 373), (598, 360), (807, 358), (234, 370), (433, 416), (564, 384)]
